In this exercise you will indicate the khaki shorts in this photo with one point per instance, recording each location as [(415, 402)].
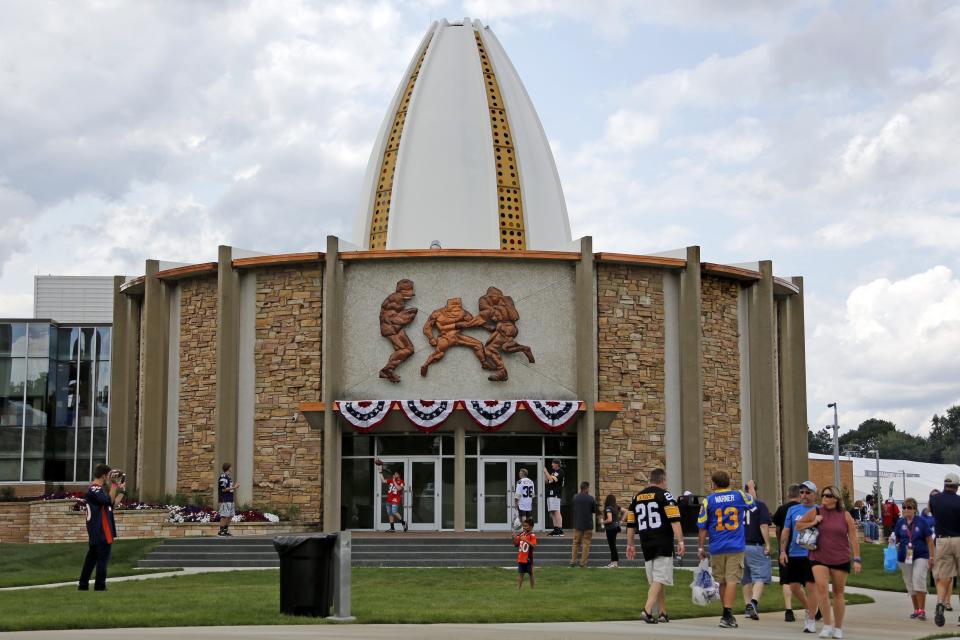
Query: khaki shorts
[(947, 564), (660, 569), (727, 567)]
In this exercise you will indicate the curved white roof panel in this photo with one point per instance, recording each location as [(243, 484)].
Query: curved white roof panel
[(461, 157)]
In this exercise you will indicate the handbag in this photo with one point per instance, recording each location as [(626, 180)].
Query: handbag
[(808, 538)]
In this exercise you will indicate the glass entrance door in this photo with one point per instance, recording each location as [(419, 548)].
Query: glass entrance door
[(535, 474), (421, 493), (497, 482)]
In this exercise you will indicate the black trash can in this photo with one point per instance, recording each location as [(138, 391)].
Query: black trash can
[(689, 511), (306, 574)]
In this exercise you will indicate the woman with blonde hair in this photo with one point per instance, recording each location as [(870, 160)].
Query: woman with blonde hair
[(831, 561), (915, 554)]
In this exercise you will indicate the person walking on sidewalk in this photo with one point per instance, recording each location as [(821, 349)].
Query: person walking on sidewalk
[(779, 518), (915, 553), (756, 561), (584, 516), (554, 492), (655, 517), (797, 558), (611, 526), (722, 515), (946, 513)]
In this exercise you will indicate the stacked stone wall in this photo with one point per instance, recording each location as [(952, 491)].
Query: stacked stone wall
[(286, 452), (721, 378), (630, 319), (14, 521), (196, 431)]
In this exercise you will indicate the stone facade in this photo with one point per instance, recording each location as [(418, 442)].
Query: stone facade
[(630, 318), (196, 439), (14, 521), (286, 452), (721, 378)]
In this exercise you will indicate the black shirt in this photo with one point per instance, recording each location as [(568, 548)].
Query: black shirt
[(555, 488), (946, 513), (780, 517), (652, 511), (584, 506), (753, 521)]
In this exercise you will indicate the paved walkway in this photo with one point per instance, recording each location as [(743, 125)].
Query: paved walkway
[(886, 619)]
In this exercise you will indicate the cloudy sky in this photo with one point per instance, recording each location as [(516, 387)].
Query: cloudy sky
[(822, 135)]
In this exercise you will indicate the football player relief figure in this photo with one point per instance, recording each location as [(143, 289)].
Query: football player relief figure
[(448, 322), (394, 316)]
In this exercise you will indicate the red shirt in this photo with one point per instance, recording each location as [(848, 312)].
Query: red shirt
[(395, 492), (525, 543)]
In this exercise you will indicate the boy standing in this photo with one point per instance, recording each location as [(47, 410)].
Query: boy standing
[(226, 504), (525, 542), (394, 495), (523, 496)]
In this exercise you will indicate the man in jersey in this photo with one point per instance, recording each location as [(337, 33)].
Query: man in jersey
[(226, 505), (797, 558), (721, 514), (523, 496), (394, 498), (103, 494), (525, 542), (554, 491), (756, 561), (654, 515)]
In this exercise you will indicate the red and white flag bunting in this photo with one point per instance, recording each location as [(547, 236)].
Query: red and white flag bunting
[(364, 415), (553, 415), (427, 415), (491, 415)]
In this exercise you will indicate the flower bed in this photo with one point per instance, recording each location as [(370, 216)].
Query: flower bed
[(177, 514)]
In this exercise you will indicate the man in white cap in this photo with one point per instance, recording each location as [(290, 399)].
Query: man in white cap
[(796, 558), (946, 512)]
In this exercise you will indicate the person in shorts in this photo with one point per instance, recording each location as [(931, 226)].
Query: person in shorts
[(655, 516), (394, 499), (915, 552), (523, 495), (525, 542), (757, 571), (226, 505), (797, 558), (793, 497), (554, 491), (946, 513), (722, 515)]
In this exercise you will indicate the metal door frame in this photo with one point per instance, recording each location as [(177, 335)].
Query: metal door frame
[(381, 523)]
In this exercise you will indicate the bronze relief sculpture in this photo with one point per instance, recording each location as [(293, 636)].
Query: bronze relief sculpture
[(448, 322), (500, 317), (394, 316)]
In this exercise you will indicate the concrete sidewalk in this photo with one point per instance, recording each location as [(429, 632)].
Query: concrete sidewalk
[(144, 576), (885, 619)]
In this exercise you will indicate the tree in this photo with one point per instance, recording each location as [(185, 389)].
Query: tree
[(819, 441), (946, 429), (903, 446), (869, 433)]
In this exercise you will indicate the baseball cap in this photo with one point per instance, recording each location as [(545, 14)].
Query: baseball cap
[(809, 484), (688, 493), (951, 479)]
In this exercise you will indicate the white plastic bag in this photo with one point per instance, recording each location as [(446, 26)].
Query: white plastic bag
[(705, 589)]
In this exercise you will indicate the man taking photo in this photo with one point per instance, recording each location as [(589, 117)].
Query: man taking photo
[(104, 493)]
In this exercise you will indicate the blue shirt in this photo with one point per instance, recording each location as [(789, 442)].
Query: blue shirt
[(796, 512), (224, 492), (916, 534), (721, 514), (100, 525)]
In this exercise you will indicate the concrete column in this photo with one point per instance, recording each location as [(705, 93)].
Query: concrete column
[(460, 477), (585, 288), (173, 389), (691, 375), (228, 360), (246, 382), (153, 361), (125, 345), (331, 368), (793, 388), (763, 382), (673, 430)]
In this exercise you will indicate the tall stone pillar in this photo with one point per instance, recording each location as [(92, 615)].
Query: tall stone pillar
[(460, 476), (125, 345), (153, 394), (691, 375), (793, 388), (228, 361), (331, 368), (585, 287), (763, 382)]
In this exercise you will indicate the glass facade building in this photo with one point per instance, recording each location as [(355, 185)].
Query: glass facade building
[(54, 401)]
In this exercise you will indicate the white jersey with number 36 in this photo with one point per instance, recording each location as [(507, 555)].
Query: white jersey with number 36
[(525, 491)]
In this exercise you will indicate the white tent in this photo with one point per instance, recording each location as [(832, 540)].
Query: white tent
[(920, 477)]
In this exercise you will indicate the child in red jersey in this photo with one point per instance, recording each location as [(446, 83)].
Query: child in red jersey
[(525, 542), (394, 498)]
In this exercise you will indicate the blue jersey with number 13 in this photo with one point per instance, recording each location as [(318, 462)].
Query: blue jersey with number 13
[(721, 514)]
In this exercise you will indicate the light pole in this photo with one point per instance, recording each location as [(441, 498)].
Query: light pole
[(836, 446)]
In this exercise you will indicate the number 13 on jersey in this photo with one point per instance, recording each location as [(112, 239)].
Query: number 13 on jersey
[(728, 519)]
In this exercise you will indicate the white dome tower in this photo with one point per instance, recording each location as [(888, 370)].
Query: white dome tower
[(461, 157)]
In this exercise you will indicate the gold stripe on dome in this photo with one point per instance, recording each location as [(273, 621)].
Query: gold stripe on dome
[(388, 165), (512, 229)]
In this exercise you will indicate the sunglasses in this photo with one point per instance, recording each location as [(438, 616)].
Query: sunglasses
[(911, 508), (804, 491), (827, 495)]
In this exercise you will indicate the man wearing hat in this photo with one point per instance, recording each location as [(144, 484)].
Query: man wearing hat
[(946, 511), (796, 558), (554, 492)]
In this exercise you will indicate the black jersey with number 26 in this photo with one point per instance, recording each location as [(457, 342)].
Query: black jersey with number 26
[(651, 513)]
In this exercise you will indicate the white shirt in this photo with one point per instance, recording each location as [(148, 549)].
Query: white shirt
[(524, 493)]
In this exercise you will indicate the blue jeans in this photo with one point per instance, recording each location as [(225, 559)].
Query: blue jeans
[(871, 531)]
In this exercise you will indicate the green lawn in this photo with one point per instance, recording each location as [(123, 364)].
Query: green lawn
[(873, 576), (379, 596), (25, 564)]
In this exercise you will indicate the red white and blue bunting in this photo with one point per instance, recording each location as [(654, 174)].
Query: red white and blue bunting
[(491, 415), (553, 415), (364, 415), (427, 415)]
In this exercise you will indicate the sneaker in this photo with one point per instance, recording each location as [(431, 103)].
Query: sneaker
[(838, 633), (819, 616), (788, 616), (948, 607), (750, 611), (560, 533), (827, 631), (390, 531), (809, 626), (227, 534), (646, 617), (729, 623), (572, 565), (405, 526), (922, 615), (664, 618), (612, 565), (938, 618), (915, 614), (554, 533)]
